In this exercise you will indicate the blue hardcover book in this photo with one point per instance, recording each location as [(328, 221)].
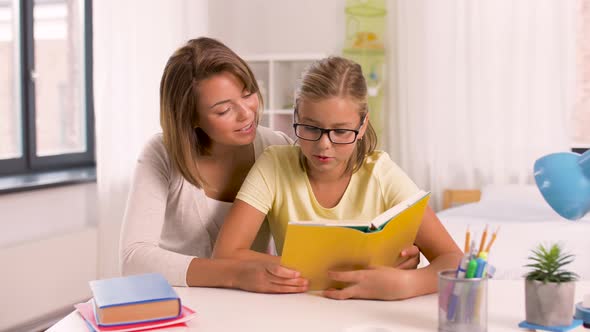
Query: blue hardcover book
[(134, 299)]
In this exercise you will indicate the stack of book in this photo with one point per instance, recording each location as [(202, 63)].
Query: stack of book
[(133, 303)]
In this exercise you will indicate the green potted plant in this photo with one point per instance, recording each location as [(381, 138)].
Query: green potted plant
[(549, 288)]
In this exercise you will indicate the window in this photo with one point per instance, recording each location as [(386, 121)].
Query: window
[(46, 115)]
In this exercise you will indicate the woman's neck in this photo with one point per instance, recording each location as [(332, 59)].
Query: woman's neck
[(224, 170), (221, 152)]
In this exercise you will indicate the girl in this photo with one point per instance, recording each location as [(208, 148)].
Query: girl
[(334, 173)]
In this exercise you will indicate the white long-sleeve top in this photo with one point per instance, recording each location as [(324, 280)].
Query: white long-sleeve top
[(168, 221)]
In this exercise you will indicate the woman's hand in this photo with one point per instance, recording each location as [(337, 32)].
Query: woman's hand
[(264, 277), (411, 258), (379, 283)]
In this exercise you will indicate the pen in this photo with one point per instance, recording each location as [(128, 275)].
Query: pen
[(471, 269), (481, 264), (464, 291), (454, 301), (490, 271), (462, 268), (457, 286), (481, 271)]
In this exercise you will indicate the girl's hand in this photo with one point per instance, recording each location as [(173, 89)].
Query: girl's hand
[(380, 283), (264, 277), (411, 259)]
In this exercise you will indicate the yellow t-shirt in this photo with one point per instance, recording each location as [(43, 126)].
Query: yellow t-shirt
[(279, 187)]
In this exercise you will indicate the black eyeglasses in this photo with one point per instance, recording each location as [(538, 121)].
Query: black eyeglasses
[(336, 136)]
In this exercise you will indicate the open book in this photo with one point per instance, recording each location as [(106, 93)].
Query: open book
[(313, 248)]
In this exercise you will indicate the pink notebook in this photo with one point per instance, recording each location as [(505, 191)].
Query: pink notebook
[(87, 312)]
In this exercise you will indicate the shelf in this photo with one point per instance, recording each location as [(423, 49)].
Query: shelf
[(277, 76)]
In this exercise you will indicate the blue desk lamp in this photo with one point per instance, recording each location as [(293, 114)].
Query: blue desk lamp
[(564, 180)]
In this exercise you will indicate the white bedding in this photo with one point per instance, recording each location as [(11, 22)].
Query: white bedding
[(525, 220)]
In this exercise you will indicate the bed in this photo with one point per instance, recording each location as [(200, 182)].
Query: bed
[(525, 220)]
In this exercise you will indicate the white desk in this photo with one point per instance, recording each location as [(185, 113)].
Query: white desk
[(222, 310)]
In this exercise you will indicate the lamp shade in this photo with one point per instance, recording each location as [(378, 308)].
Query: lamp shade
[(564, 181)]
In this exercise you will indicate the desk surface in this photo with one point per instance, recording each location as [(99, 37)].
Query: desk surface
[(234, 310)]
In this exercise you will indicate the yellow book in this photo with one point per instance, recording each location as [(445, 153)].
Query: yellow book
[(313, 248)]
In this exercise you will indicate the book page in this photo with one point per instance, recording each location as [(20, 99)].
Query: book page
[(384, 217), (332, 223)]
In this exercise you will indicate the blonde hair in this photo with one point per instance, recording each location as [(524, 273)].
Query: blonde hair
[(339, 77), (197, 60)]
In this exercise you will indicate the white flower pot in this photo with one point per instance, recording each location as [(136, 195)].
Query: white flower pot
[(549, 304)]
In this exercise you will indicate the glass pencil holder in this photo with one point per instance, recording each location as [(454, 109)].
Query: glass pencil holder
[(462, 303)]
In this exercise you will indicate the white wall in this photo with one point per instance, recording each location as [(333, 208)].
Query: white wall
[(278, 26), (38, 214), (47, 252)]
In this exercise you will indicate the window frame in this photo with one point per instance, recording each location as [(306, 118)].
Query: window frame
[(29, 162)]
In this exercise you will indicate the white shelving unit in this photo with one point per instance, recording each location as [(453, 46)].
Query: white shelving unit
[(277, 76)]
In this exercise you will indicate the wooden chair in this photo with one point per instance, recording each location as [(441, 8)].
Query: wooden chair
[(452, 197)]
